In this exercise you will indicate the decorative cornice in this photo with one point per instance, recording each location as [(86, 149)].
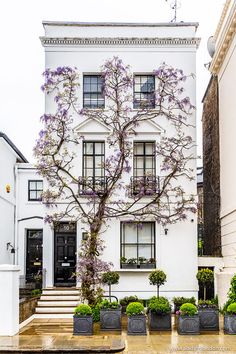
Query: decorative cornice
[(75, 41), (225, 41), (222, 18)]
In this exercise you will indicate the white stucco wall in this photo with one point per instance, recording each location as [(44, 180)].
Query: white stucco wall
[(7, 201), (177, 251), (227, 126)]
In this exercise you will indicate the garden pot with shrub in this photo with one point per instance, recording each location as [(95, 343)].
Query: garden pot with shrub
[(136, 319), (188, 319), (110, 316), (208, 315), (230, 319), (180, 300), (127, 300), (159, 314), (83, 320)]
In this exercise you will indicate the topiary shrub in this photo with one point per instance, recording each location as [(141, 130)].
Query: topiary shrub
[(135, 308), (231, 309), (205, 277), (110, 278), (128, 299), (159, 305), (83, 310), (157, 277), (188, 309)]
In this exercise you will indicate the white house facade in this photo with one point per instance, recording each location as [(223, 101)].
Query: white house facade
[(174, 249)]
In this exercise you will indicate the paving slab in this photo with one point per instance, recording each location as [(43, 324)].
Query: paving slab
[(56, 336)]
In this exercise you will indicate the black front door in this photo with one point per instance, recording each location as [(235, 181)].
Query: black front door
[(34, 255), (65, 255)]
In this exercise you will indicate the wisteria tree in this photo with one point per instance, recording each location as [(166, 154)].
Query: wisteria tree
[(162, 198)]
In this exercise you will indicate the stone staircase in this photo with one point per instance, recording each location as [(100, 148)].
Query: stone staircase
[(57, 303)]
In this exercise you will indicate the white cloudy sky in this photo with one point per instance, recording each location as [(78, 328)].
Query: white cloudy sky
[(22, 57)]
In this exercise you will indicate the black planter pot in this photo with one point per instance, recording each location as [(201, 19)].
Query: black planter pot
[(129, 266), (137, 325), (83, 325), (147, 266), (110, 319), (209, 319), (188, 324), (158, 322), (230, 324)]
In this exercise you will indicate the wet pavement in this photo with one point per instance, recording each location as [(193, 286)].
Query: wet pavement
[(55, 336)]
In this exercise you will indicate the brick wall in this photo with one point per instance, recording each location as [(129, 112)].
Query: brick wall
[(211, 167)]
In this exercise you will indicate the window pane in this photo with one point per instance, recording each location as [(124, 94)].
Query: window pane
[(145, 251), (88, 162), (88, 148), (144, 233), (130, 233), (39, 195), (33, 195), (130, 251), (138, 148), (139, 162), (99, 148), (148, 162), (32, 185), (149, 148), (39, 185)]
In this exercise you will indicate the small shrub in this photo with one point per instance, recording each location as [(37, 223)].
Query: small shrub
[(128, 299), (231, 309), (105, 304), (36, 292), (159, 305), (132, 261), (188, 309), (83, 310), (180, 300), (123, 260), (135, 308), (207, 304), (96, 313)]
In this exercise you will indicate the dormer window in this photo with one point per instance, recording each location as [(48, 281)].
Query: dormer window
[(92, 92)]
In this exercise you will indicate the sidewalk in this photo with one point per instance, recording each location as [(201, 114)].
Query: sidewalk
[(55, 336)]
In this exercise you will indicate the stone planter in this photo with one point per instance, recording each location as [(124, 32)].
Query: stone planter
[(128, 266), (188, 324), (209, 319), (83, 325), (147, 266), (230, 324), (137, 325), (159, 322), (110, 319)]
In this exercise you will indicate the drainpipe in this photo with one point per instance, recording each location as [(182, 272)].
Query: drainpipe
[(15, 216)]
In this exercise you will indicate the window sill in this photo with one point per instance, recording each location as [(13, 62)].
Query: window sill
[(135, 270)]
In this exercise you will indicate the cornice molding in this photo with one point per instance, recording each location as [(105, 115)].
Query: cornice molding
[(225, 42), (76, 41)]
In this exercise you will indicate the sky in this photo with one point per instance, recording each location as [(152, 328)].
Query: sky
[(22, 56)]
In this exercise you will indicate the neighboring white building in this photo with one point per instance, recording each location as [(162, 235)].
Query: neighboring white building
[(10, 156), (223, 68), (144, 47)]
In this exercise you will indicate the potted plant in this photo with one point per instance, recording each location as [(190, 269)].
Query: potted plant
[(159, 311), (208, 315), (136, 319), (83, 320), (110, 315), (110, 278), (151, 263), (230, 319), (180, 300), (127, 300), (188, 319), (142, 261), (130, 263), (158, 278), (205, 277)]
